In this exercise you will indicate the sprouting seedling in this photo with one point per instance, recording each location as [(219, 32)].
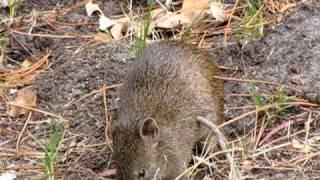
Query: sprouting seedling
[(13, 5), (51, 151), (143, 34), (256, 97), (280, 97), (252, 21)]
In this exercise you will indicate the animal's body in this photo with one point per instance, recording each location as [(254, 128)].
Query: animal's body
[(165, 88)]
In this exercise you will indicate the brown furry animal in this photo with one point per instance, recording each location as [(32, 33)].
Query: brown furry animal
[(165, 88)]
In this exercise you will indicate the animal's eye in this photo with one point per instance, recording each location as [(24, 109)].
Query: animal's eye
[(142, 173)]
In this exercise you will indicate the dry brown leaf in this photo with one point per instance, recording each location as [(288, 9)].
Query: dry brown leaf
[(194, 8), (102, 37), (25, 98), (190, 5), (171, 20), (121, 25), (116, 31), (26, 74), (105, 23), (92, 7)]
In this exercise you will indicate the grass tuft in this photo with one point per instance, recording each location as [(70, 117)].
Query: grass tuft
[(141, 40), (51, 152), (13, 5), (280, 97), (251, 23)]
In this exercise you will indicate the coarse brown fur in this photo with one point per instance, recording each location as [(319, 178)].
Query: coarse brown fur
[(165, 88)]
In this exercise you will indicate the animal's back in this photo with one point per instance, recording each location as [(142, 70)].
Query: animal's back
[(168, 79)]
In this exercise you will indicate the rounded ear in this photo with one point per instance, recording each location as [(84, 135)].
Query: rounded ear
[(149, 128)]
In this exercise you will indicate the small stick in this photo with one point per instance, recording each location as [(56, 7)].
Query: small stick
[(106, 131), (23, 129), (222, 142), (307, 124), (229, 22)]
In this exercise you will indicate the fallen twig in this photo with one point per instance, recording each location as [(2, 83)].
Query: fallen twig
[(23, 129)]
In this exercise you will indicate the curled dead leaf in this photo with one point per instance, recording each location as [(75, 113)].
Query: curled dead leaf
[(217, 12), (116, 31), (105, 23), (92, 7), (25, 98)]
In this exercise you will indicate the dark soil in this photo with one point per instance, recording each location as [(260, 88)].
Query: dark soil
[(289, 55)]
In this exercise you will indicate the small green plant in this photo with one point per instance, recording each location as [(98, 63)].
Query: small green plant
[(252, 20), (280, 97), (257, 98), (13, 5), (51, 152), (143, 34)]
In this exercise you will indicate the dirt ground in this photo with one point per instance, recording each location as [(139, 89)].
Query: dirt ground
[(288, 54)]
